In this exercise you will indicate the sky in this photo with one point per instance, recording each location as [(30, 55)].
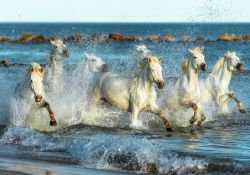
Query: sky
[(125, 11)]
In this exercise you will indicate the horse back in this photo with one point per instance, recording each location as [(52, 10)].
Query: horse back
[(115, 90)]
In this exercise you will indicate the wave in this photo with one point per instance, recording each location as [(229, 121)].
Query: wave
[(117, 149), (111, 152)]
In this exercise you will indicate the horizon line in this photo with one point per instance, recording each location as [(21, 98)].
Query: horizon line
[(130, 22)]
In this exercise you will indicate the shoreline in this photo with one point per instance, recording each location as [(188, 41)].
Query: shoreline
[(15, 166)]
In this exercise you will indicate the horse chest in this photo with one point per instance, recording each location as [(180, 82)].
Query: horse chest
[(190, 93), (145, 97)]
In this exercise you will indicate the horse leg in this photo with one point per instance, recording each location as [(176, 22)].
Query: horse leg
[(51, 114), (202, 114), (194, 118), (96, 97), (239, 105), (134, 114), (154, 109)]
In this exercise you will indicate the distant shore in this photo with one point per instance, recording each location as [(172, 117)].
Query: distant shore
[(78, 38)]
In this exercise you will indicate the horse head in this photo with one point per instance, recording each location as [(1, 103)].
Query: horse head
[(155, 71), (142, 49), (59, 48), (36, 73), (141, 54), (196, 59), (233, 62), (95, 63)]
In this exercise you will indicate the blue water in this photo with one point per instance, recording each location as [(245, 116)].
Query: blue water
[(221, 146)]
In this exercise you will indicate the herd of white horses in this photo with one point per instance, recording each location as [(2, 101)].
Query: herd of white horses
[(136, 93)]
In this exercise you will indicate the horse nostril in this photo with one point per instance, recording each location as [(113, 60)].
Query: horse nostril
[(204, 67), (38, 98), (239, 67), (105, 68), (160, 84)]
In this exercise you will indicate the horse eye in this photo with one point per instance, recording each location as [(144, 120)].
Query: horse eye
[(31, 81)]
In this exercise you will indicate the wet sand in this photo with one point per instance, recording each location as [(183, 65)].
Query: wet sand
[(10, 166)]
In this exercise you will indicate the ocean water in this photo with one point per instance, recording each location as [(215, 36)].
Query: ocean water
[(105, 141)]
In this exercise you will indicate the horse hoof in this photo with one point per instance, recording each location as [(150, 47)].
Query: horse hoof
[(169, 129), (203, 118), (199, 123), (242, 111), (192, 120), (137, 125), (53, 123)]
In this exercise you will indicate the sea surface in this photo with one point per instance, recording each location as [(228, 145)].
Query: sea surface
[(88, 143)]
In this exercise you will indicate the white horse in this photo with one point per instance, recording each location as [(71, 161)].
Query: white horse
[(215, 91), (54, 67), (133, 95), (31, 93), (185, 92), (83, 75)]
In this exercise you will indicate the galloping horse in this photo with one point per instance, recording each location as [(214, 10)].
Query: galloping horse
[(214, 88), (133, 95), (54, 67), (31, 92), (83, 74), (185, 92)]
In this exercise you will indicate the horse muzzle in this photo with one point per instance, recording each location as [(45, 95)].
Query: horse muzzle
[(65, 53), (38, 98), (203, 67), (160, 84), (239, 67), (104, 68)]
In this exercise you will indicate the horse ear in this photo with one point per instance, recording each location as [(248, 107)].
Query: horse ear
[(159, 60), (227, 55), (202, 49), (149, 60), (191, 50), (52, 42), (30, 70), (184, 65), (87, 55), (42, 70)]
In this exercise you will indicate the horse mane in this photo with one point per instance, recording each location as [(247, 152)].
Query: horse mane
[(184, 65), (144, 62), (218, 65)]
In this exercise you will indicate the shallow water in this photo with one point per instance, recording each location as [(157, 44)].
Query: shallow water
[(105, 141)]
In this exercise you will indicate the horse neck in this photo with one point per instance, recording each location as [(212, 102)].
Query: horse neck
[(143, 79), (191, 74), (55, 57), (224, 76), (84, 69)]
